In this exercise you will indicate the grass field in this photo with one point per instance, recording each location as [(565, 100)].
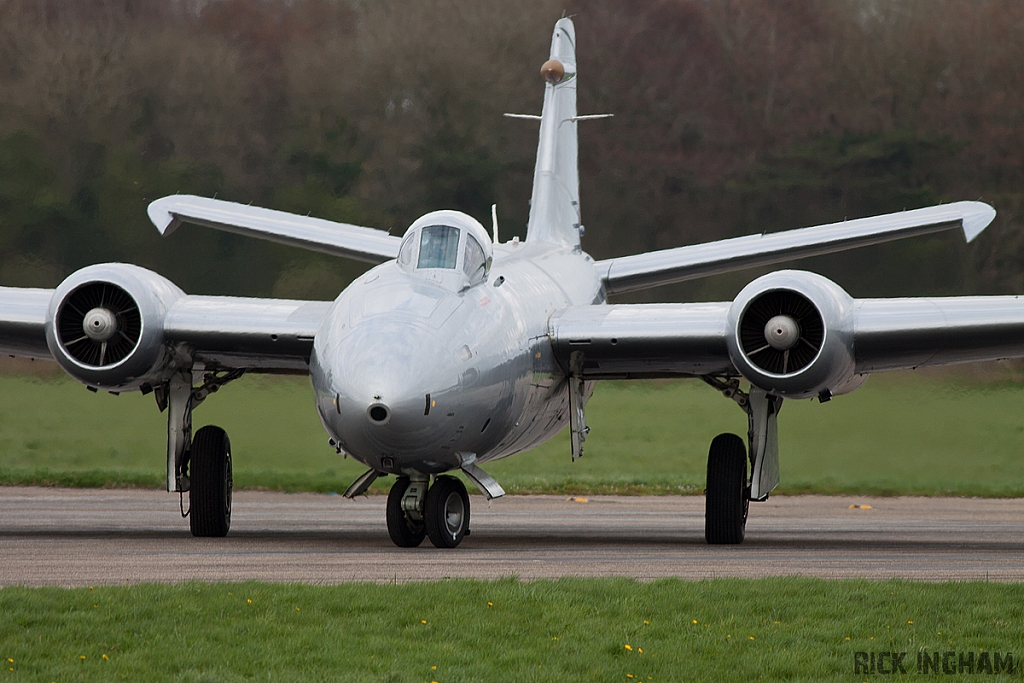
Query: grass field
[(900, 433), (566, 630)]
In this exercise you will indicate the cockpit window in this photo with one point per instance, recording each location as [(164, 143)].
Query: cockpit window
[(439, 247), (474, 263), (406, 252)]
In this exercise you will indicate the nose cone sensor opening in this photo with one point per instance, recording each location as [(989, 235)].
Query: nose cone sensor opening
[(379, 413)]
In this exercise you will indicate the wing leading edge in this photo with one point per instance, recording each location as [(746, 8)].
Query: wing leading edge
[(642, 271), (337, 239)]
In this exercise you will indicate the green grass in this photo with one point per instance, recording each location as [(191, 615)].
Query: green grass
[(900, 433), (565, 630)]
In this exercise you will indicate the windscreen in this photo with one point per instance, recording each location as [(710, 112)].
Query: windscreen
[(439, 247)]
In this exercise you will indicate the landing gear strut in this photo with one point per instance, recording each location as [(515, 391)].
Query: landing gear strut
[(207, 454), (729, 490), (440, 512)]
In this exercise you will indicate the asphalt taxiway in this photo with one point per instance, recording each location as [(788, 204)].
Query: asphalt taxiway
[(77, 537)]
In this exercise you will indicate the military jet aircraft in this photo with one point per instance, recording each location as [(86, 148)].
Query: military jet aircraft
[(458, 349)]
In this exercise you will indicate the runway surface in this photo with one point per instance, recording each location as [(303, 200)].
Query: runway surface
[(76, 537)]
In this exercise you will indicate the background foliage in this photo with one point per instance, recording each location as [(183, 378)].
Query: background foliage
[(732, 116)]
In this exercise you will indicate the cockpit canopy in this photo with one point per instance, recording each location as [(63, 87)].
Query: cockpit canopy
[(447, 241)]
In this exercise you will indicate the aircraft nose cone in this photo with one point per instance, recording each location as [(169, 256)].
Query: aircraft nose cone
[(382, 377), (388, 375)]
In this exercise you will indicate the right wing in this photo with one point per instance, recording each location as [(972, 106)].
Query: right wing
[(236, 332), (23, 321), (641, 271), (337, 239), (274, 335)]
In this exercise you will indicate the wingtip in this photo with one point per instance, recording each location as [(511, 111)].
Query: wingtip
[(976, 217), (160, 215)]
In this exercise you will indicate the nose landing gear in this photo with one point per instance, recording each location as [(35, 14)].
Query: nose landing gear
[(405, 527), (447, 512), (442, 514)]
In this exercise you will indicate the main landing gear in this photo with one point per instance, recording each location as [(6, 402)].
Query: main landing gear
[(729, 490), (727, 497), (440, 512), (199, 464), (210, 493)]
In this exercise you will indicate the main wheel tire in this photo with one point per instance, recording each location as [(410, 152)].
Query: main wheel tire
[(447, 512), (405, 532), (210, 483), (727, 498)]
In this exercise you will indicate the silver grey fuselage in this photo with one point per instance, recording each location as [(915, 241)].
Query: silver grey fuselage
[(462, 375)]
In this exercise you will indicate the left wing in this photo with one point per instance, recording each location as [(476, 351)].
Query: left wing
[(641, 271), (337, 239), (627, 341), (632, 341)]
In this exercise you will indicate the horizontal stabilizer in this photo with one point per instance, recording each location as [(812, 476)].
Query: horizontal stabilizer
[(641, 271), (337, 239)]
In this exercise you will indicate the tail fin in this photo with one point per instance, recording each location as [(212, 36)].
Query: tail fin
[(555, 205)]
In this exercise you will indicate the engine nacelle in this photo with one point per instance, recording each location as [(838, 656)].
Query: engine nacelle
[(105, 326), (791, 333)]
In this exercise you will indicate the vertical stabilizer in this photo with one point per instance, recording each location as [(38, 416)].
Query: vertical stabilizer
[(555, 205)]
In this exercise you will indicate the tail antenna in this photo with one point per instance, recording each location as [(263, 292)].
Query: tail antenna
[(494, 222)]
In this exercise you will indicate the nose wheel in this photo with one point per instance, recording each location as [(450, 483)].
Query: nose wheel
[(442, 514), (405, 531), (447, 512)]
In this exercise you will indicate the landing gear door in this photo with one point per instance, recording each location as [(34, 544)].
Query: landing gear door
[(763, 411), (577, 416)]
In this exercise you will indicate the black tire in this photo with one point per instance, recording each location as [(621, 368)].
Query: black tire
[(726, 498), (210, 483), (447, 512), (405, 533)]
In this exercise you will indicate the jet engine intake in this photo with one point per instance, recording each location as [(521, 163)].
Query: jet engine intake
[(791, 334), (105, 326)]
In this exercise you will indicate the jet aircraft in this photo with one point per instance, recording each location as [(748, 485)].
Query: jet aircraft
[(457, 349)]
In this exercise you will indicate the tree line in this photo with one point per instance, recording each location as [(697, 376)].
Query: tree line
[(731, 117)]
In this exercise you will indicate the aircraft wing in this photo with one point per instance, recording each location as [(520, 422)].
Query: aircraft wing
[(23, 321), (625, 341), (642, 271), (235, 332), (630, 341), (337, 239), (219, 331)]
